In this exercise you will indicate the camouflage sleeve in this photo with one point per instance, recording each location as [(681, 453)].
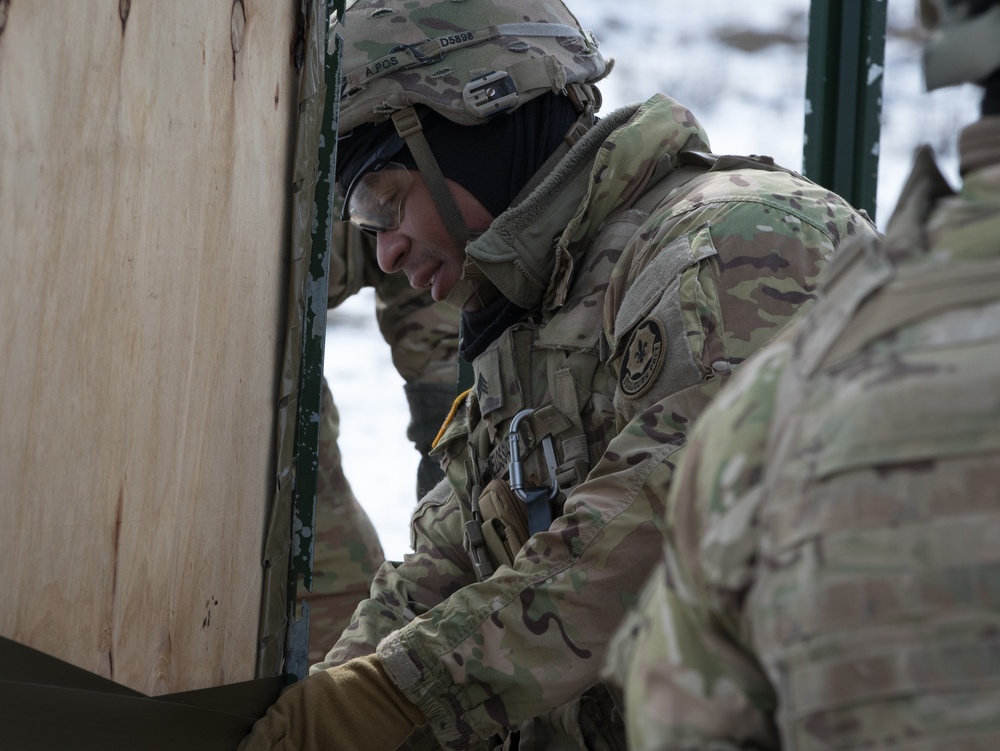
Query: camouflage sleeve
[(535, 635), (683, 657), (402, 591)]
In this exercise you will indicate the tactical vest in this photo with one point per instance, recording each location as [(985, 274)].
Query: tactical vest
[(849, 619)]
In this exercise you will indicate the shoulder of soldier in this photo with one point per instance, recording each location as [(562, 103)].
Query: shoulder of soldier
[(768, 200), (744, 211), (761, 224)]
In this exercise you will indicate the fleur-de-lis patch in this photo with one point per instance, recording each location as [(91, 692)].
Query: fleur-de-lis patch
[(643, 358)]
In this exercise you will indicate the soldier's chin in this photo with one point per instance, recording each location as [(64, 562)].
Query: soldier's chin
[(441, 286)]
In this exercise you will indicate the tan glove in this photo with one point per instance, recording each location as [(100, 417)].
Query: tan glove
[(351, 707)]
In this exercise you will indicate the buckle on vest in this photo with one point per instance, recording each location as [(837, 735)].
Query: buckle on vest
[(475, 542)]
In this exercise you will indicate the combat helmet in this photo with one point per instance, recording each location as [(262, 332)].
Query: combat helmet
[(468, 60), (964, 46)]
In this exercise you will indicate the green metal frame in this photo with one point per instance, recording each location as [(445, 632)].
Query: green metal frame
[(844, 97), (287, 560), (300, 566)]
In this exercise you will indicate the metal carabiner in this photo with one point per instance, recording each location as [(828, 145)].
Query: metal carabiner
[(536, 499)]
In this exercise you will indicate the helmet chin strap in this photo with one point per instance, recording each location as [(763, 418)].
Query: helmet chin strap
[(408, 127), (474, 290)]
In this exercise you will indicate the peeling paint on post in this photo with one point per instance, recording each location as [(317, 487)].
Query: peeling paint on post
[(844, 97), (315, 154)]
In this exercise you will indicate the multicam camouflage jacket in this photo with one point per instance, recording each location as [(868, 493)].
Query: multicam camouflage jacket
[(661, 279), (832, 570)]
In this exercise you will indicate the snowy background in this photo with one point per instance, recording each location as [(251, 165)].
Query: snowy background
[(741, 68)]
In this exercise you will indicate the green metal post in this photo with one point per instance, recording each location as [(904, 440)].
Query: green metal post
[(844, 97), (321, 125), (287, 557)]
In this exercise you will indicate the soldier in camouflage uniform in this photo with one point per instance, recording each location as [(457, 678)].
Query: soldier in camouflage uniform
[(608, 291), (834, 526), (423, 338)]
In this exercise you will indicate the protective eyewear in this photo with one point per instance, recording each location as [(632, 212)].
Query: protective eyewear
[(375, 201)]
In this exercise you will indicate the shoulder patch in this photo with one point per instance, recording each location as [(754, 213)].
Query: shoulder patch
[(643, 358)]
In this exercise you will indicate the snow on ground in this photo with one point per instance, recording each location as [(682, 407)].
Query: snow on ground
[(741, 68)]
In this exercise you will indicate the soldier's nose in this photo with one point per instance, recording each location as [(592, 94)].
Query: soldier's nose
[(390, 248)]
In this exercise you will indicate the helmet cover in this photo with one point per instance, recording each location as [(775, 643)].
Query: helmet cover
[(465, 59)]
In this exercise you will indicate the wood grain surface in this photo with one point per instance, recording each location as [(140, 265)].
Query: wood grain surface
[(144, 180)]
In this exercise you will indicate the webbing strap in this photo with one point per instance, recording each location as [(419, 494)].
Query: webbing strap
[(902, 670), (886, 598), (538, 509), (914, 294), (576, 454), (536, 73), (529, 29), (433, 50), (408, 126)]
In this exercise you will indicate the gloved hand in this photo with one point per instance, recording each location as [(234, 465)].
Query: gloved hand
[(351, 707)]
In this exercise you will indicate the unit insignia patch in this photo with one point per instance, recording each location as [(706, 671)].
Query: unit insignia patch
[(643, 358)]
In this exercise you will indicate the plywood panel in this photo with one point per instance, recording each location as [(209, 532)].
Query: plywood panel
[(144, 168)]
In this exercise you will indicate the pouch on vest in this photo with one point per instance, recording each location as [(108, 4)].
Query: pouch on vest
[(505, 522), (506, 513)]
